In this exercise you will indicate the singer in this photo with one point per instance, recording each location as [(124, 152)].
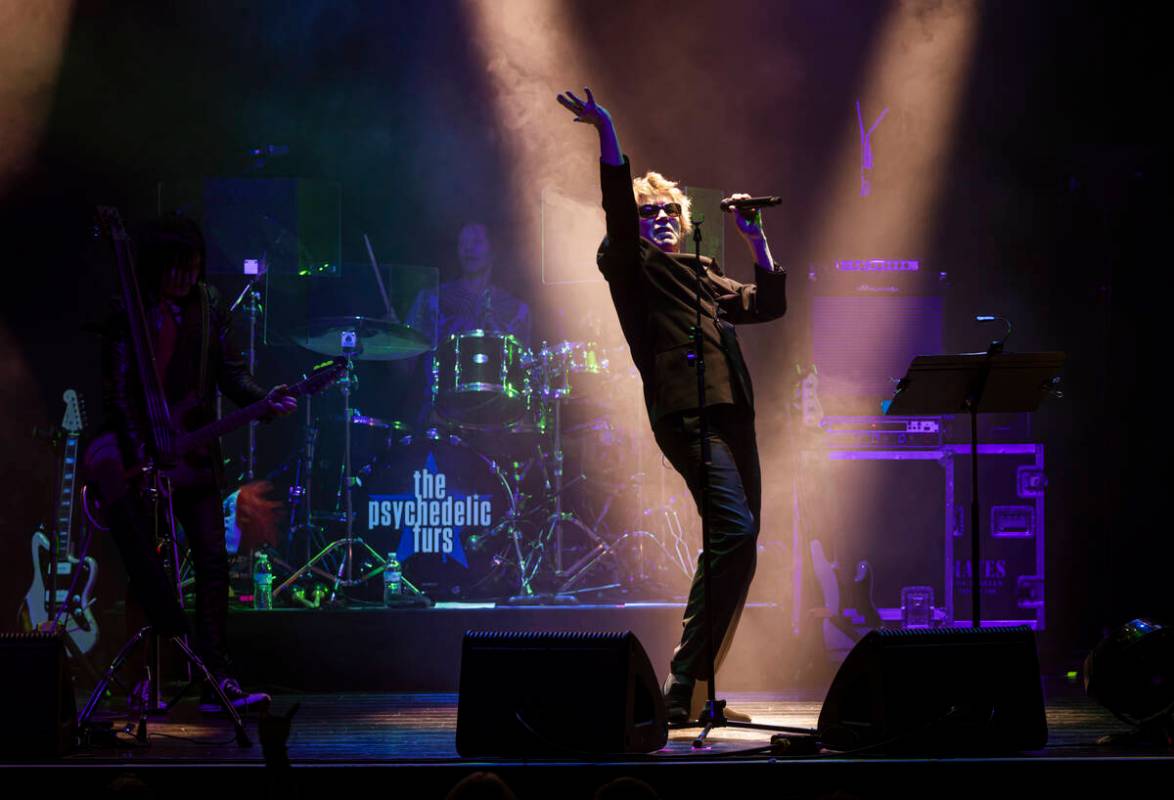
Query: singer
[(653, 286)]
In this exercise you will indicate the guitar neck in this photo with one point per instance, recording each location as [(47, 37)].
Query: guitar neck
[(186, 442), (65, 499)]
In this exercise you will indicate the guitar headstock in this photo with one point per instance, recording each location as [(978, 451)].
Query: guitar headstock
[(323, 375), (74, 420)]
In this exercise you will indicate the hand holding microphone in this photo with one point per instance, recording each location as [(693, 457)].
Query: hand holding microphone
[(749, 214), (749, 219)]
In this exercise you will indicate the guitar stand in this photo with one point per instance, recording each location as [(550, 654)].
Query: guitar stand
[(87, 727)]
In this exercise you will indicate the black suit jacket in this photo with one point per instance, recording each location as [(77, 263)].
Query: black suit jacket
[(654, 295)]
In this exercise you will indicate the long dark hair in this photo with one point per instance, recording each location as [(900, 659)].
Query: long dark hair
[(161, 242)]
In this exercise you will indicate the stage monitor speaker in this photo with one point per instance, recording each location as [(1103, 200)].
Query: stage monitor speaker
[(544, 694), (946, 690), (40, 716)]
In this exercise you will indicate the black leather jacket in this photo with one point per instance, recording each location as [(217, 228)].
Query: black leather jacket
[(206, 356)]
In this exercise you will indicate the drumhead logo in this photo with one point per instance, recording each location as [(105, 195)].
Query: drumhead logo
[(432, 517)]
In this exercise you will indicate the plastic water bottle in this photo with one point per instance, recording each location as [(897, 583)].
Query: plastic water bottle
[(262, 581), (392, 581)]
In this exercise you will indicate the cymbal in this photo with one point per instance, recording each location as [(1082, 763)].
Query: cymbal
[(374, 339)]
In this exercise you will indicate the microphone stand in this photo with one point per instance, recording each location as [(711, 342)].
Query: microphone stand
[(254, 309), (973, 399), (714, 714)]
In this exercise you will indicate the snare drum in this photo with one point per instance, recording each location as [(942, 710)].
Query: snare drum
[(445, 510), (481, 378)]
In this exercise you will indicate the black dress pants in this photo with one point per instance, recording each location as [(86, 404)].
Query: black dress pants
[(735, 502)]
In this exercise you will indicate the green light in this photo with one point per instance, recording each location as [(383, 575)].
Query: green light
[(1072, 674)]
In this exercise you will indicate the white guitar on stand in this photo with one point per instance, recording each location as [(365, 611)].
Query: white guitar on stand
[(59, 598)]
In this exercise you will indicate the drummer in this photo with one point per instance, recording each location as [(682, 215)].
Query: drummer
[(472, 301)]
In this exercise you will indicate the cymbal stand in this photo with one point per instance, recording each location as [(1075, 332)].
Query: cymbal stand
[(344, 576), (301, 490)]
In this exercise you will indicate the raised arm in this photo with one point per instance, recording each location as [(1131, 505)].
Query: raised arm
[(592, 113), (620, 250)]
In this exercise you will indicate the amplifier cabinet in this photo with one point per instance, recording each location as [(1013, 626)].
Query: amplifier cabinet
[(907, 514)]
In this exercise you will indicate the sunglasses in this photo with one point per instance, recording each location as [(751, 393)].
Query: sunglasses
[(650, 211)]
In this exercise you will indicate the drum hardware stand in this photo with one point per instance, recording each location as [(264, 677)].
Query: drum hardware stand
[(682, 557), (345, 575), (604, 548), (591, 557), (552, 528), (301, 490)]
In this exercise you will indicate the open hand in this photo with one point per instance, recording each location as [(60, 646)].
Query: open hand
[(585, 111)]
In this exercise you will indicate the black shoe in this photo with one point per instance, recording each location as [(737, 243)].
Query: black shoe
[(678, 699), (241, 700)]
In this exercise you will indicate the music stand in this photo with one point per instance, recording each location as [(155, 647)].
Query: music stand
[(976, 383)]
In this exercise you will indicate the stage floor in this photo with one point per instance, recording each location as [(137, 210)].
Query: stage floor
[(190, 754)]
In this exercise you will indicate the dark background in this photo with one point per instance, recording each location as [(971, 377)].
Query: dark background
[(1054, 213)]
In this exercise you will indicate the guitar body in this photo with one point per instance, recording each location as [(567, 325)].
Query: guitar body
[(839, 632), (34, 612), (77, 621), (61, 594), (108, 478)]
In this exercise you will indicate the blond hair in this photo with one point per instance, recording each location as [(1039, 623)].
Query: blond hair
[(653, 184)]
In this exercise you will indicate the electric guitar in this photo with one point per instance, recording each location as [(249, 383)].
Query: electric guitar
[(59, 597), (103, 453)]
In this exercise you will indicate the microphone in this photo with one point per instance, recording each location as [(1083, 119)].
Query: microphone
[(748, 203)]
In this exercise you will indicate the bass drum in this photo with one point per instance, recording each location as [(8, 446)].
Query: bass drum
[(446, 511)]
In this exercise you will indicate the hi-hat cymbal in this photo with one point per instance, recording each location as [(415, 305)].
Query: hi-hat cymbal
[(373, 339)]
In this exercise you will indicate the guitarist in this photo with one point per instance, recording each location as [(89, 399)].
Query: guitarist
[(195, 353)]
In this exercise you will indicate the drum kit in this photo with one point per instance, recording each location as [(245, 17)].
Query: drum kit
[(508, 491)]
